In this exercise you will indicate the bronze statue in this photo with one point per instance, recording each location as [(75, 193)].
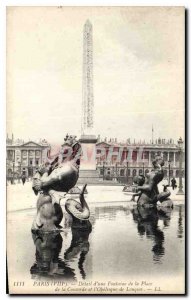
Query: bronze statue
[(62, 173), (79, 212), (59, 175), (148, 193)]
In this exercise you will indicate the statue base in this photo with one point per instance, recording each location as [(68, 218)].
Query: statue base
[(88, 160)]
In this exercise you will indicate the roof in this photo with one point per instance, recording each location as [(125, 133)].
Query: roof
[(29, 144)]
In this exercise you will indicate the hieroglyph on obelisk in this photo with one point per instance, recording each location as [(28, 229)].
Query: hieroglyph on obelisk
[(87, 85), (88, 139)]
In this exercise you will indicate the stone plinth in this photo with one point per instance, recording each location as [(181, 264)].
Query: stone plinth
[(88, 160)]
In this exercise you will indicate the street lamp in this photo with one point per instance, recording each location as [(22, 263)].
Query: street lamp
[(19, 165), (169, 172), (13, 171), (143, 163), (180, 190), (103, 170), (127, 172), (116, 170)]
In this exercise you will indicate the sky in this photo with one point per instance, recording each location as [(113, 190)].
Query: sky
[(138, 61)]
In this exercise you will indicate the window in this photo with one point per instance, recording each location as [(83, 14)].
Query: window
[(122, 172), (31, 153), (165, 156), (171, 156), (37, 162), (30, 161), (101, 171), (134, 172), (24, 161), (9, 172)]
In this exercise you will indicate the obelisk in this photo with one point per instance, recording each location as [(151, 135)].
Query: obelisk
[(88, 139)]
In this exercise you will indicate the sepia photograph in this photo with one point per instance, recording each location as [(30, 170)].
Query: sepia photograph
[(95, 150)]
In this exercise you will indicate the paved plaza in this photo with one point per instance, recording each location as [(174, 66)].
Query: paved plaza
[(21, 197)]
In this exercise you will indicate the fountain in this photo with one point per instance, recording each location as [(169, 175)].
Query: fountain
[(59, 175), (147, 188)]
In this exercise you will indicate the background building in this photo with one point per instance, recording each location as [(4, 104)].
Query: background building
[(116, 161), (109, 166), (23, 158)]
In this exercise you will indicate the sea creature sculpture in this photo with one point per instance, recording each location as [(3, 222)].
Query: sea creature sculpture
[(59, 175), (79, 211), (148, 192)]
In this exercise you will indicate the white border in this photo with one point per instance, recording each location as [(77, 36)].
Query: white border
[(3, 4), (96, 3)]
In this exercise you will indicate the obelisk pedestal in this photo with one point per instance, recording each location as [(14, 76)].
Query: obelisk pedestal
[(88, 160)]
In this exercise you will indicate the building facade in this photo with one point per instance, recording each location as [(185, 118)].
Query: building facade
[(126, 160), (24, 158)]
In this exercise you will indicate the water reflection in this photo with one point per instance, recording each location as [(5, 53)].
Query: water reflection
[(147, 220), (109, 212), (49, 262), (79, 247), (121, 236)]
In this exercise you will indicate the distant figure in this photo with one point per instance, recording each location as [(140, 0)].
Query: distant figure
[(23, 179), (173, 183)]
